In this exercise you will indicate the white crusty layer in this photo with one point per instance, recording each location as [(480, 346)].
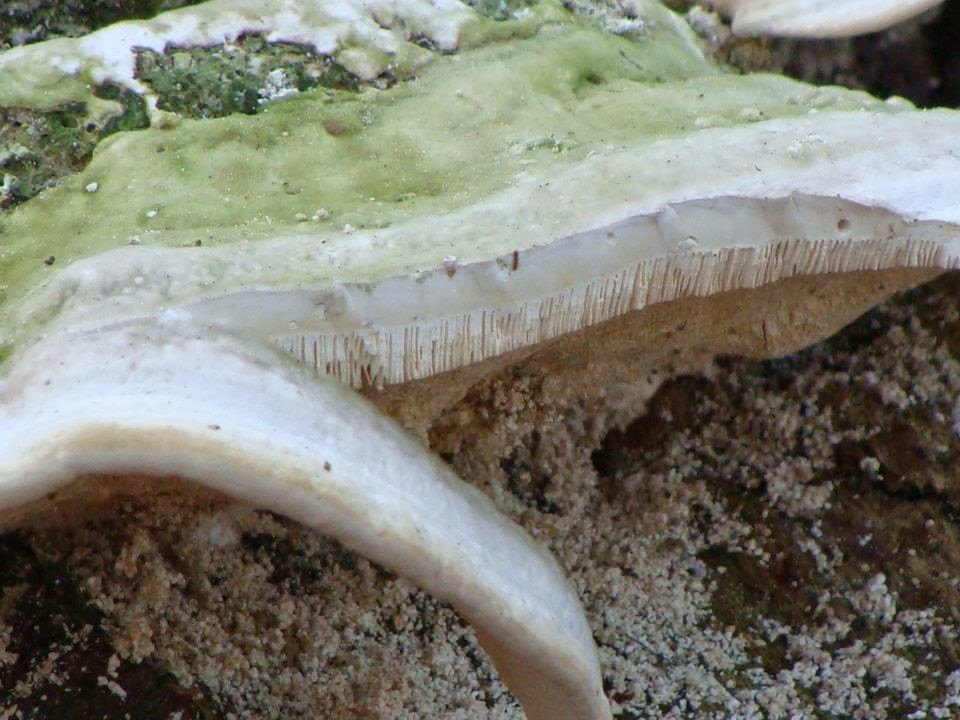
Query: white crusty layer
[(819, 18)]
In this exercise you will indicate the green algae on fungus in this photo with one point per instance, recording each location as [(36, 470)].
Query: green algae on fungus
[(221, 182), (365, 40), (76, 92), (534, 178)]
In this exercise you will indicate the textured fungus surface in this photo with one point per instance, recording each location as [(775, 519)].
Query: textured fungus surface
[(587, 196), (819, 18), (748, 539)]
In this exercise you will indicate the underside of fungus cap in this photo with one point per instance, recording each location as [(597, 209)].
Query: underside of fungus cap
[(819, 18), (383, 192)]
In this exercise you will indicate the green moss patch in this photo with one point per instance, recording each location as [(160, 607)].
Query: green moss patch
[(500, 9), (239, 78), (38, 148)]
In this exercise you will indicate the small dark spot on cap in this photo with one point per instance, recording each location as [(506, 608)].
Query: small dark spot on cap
[(213, 427), (50, 260), (843, 224), (516, 260), (197, 243), (326, 466), (334, 128)]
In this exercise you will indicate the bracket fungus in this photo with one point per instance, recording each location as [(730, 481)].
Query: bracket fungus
[(819, 18), (490, 190)]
